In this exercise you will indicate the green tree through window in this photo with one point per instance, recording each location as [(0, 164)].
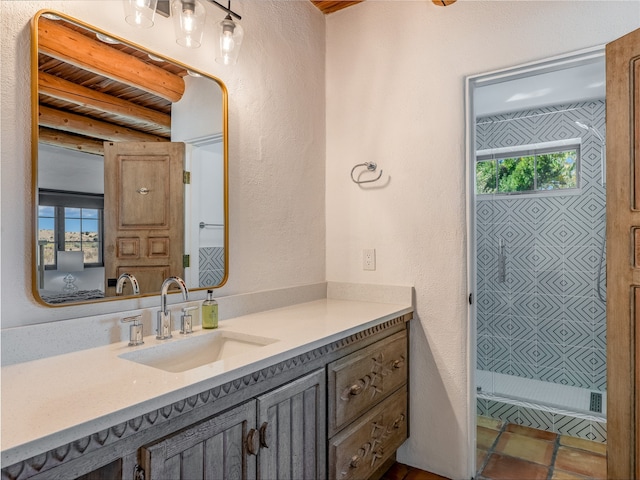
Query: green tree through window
[(540, 171)]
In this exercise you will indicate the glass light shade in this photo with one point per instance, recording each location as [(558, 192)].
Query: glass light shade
[(140, 13), (231, 34), (188, 20)]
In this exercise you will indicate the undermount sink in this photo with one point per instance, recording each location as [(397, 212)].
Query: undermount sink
[(182, 354)]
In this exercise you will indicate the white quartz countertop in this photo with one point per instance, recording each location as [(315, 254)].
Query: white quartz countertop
[(50, 402)]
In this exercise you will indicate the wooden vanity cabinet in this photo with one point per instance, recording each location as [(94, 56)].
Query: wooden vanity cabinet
[(279, 435), (337, 411)]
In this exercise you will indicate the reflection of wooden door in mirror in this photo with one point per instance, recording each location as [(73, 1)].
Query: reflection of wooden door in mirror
[(143, 211)]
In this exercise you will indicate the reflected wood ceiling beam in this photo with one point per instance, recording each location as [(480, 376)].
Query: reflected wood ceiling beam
[(328, 6), (72, 47), (71, 122), (61, 89), (70, 141)]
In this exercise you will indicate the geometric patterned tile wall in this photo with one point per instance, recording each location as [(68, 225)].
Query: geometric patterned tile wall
[(211, 266), (545, 320)]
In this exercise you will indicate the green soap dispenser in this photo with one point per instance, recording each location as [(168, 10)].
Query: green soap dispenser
[(209, 311)]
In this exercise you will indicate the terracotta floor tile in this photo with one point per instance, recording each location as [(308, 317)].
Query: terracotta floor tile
[(501, 467), (397, 472), (481, 456), (415, 474), (581, 443), (531, 432), (582, 462), (488, 422), (527, 448), (559, 475), (485, 437)]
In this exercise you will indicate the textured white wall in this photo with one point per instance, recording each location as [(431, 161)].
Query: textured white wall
[(395, 90), (276, 148)]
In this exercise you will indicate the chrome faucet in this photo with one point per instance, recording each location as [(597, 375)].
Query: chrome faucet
[(121, 281), (164, 315)]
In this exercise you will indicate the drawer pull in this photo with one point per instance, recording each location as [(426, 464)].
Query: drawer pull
[(399, 421), (355, 461), (253, 442), (398, 363), (355, 389), (264, 438)]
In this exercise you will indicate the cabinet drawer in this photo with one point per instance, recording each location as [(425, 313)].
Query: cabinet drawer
[(364, 378), (363, 446)]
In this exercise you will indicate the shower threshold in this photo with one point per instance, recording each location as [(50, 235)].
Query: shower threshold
[(548, 396), (542, 405)]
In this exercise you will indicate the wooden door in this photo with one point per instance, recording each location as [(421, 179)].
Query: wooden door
[(623, 257), (143, 212), (212, 449), (291, 422)]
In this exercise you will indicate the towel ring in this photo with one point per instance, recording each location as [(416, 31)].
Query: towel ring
[(371, 166)]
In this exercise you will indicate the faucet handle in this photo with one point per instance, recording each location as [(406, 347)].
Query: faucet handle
[(136, 332), (186, 320)]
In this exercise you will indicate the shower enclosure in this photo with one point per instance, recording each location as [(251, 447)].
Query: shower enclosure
[(539, 211)]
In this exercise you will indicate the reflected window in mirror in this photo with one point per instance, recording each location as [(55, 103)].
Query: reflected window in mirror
[(70, 221)]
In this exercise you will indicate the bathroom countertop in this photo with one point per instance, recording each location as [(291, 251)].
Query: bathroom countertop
[(50, 402)]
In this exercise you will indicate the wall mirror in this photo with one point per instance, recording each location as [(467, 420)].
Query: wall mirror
[(129, 167)]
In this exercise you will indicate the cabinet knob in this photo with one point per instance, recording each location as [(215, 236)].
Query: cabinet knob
[(399, 421), (355, 461), (398, 363), (264, 436), (253, 441), (355, 389)]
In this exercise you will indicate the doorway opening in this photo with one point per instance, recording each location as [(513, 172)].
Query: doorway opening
[(537, 251)]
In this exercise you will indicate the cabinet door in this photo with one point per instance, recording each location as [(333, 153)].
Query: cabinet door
[(215, 448), (291, 421)]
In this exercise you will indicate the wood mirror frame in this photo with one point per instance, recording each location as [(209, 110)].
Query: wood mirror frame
[(93, 92)]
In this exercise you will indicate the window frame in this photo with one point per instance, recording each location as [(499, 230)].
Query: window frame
[(59, 200)]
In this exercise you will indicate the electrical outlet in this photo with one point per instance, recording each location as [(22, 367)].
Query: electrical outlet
[(369, 259)]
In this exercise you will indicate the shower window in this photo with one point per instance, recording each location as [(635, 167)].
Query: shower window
[(528, 170)]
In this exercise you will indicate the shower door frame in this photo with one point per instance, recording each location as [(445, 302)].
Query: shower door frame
[(471, 83)]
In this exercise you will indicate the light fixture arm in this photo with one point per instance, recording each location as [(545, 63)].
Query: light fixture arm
[(226, 9)]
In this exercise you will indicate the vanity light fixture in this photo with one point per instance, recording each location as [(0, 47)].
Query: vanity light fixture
[(140, 13), (231, 34), (188, 19)]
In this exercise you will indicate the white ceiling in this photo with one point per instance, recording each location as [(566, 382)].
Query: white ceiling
[(575, 84)]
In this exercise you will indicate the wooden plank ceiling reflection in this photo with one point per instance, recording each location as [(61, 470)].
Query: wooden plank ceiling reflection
[(91, 91)]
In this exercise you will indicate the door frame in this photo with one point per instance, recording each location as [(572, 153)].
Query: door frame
[(471, 83)]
